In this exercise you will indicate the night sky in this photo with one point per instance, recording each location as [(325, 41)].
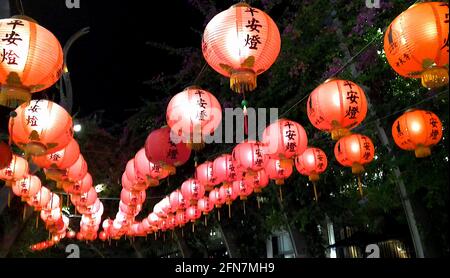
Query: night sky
[(108, 66)]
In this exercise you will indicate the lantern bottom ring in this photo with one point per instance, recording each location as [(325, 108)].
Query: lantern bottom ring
[(35, 148), (13, 96), (435, 77), (243, 80)]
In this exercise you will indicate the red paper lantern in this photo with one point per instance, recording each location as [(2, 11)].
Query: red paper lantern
[(153, 219), (132, 198), (16, 170), (242, 188), (337, 106), (215, 198), (41, 199), (193, 114), (146, 169), (205, 205), (5, 155), (102, 236), (416, 43), (258, 181), (204, 173), (53, 204), (225, 169), (241, 43), (160, 149), (177, 202), (180, 218), (51, 216), (129, 210), (193, 213), (79, 187), (284, 139), (92, 209), (128, 185), (27, 187), (354, 151), (41, 127), (227, 193), (277, 170), (138, 182), (32, 60), (311, 163), (84, 199), (249, 156), (71, 234), (417, 130), (192, 190), (61, 159), (77, 171)]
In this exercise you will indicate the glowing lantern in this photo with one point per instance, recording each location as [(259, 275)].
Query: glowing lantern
[(75, 172), (354, 151), (41, 127), (129, 210), (250, 157), (192, 190), (181, 218), (102, 236), (40, 200), (416, 43), (32, 60), (215, 198), (177, 202), (337, 106), (5, 155), (27, 187), (138, 182), (241, 43), (278, 171), (193, 114), (258, 181), (161, 149), (61, 159), (53, 204), (193, 213), (311, 163), (131, 198), (242, 188), (16, 170), (417, 130), (71, 234), (148, 170), (284, 139), (204, 173), (92, 209), (84, 199), (79, 187), (205, 205), (228, 195), (51, 216), (225, 169), (153, 219)]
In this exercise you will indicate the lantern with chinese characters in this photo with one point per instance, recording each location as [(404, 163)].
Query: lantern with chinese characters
[(27, 187), (241, 43), (204, 173), (84, 199), (337, 106), (153, 219), (354, 151), (5, 155), (249, 156), (193, 213), (61, 159), (192, 190), (161, 149), (215, 198), (417, 130), (416, 43), (132, 186), (284, 139), (193, 114), (225, 169), (205, 205), (148, 170), (40, 200), (181, 218), (227, 194), (74, 173), (32, 60), (242, 188), (177, 202), (79, 187), (278, 171), (41, 127), (132, 198), (312, 163), (258, 181), (138, 182), (16, 170)]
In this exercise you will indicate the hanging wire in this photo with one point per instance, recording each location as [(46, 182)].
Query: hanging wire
[(19, 6)]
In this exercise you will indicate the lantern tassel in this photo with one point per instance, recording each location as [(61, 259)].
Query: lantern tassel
[(243, 204), (9, 198), (67, 200), (229, 210), (257, 200), (315, 192), (24, 212), (281, 193), (164, 236), (172, 234), (37, 220), (218, 214), (156, 237), (182, 232), (245, 121), (206, 220), (193, 227), (360, 187)]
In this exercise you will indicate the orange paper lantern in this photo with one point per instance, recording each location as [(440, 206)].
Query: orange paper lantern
[(241, 43), (204, 173), (41, 127), (27, 187), (311, 163), (278, 170), (416, 43), (16, 170), (337, 106), (249, 157), (61, 159), (417, 130), (31, 60)]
